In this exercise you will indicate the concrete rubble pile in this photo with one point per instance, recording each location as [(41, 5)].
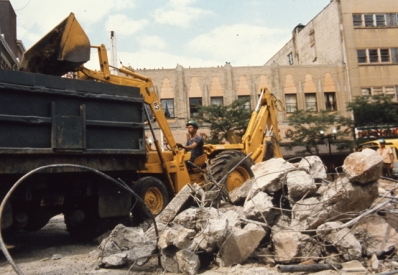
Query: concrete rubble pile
[(286, 215)]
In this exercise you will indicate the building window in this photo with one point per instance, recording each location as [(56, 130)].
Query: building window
[(194, 104), (385, 55), (365, 91), (396, 91), (391, 91), (361, 56), (217, 101), (375, 20), (168, 107), (368, 20), (377, 91), (291, 103), (290, 58), (357, 20), (247, 103), (330, 101), (310, 102), (312, 38), (378, 55), (380, 20), (373, 55)]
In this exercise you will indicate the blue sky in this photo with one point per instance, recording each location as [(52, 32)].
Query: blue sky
[(161, 34)]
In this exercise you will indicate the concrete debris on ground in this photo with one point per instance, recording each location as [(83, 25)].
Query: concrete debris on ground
[(288, 215)]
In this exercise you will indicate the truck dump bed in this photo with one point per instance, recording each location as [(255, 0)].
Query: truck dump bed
[(48, 120)]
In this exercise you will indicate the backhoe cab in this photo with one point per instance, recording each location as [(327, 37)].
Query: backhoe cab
[(66, 48)]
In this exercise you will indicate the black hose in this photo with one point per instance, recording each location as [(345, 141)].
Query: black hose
[(8, 195), (308, 267)]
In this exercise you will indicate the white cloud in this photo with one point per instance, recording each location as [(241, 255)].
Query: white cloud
[(240, 44), (179, 14), (41, 16), (122, 25), (152, 42)]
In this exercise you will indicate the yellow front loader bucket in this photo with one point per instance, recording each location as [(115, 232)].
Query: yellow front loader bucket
[(62, 50)]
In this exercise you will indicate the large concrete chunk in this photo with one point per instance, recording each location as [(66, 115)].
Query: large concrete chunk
[(344, 241), (343, 197), (314, 166), (258, 207), (239, 194), (188, 262), (376, 235), (268, 175), (171, 210), (212, 236), (240, 244), (363, 167), (300, 183), (304, 209), (294, 247), (126, 244)]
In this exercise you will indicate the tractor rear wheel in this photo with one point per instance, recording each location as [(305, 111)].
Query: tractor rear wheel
[(224, 162), (153, 192)]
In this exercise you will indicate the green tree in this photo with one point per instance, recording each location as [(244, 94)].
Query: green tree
[(308, 126), (233, 117), (374, 111)]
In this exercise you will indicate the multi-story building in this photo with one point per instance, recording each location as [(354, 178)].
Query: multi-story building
[(349, 49), (11, 49)]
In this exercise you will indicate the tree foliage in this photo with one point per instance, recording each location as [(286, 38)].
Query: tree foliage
[(375, 111), (308, 126), (233, 117)]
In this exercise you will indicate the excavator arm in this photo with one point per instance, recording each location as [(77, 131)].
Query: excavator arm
[(262, 133)]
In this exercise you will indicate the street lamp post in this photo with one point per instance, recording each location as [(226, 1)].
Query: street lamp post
[(329, 137)]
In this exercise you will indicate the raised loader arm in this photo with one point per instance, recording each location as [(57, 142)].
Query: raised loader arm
[(262, 134)]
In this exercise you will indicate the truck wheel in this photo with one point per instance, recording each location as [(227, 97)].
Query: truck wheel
[(84, 224), (225, 161), (153, 192)]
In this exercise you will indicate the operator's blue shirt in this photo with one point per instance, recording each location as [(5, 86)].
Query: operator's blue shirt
[(198, 150)]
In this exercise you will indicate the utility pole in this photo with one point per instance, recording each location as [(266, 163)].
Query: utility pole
[(113, 61)]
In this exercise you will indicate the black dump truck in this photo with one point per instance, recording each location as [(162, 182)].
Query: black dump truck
[(64, 125)]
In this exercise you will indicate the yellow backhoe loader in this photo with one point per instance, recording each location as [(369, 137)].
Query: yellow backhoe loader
[(66, 48)]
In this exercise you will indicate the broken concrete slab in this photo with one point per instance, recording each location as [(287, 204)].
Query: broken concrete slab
[(174, 207), (342, 239), (188, 262), (240, 193), (291, 246), (258, 207), (302, 210), (376, 235), (343, 197), (242, 242), (300, 184), (363, 167), (119, 259), (212, 235), (314, 165), (268, 175), (128, 244)]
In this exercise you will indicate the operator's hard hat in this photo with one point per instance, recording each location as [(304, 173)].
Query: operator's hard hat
[(382, 141), (193, 123)]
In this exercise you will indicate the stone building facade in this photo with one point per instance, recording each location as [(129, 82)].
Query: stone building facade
[(11, 49)]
